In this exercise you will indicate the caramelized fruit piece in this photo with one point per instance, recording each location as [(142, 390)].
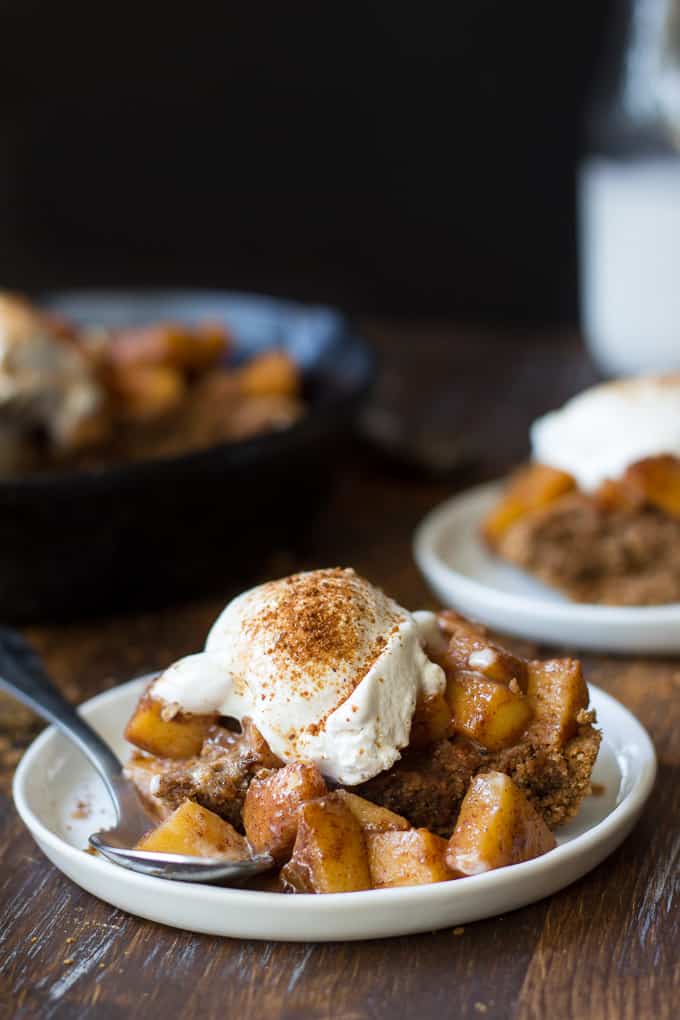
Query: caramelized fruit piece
[(177, 736), (557, 693), (487, 712), (531, 488), (431, 721), (330, 850), (416, 857), (372, 817), (258, 746), (208, 344), (273, 373), (145, 392), (657, 479), (470, 649), (617, 495), (496, 826), (170, 346), (270, 809), (193, 830)]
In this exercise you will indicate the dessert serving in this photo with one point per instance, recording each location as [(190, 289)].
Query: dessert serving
[(73, 397), (359, 745), (597, 512)]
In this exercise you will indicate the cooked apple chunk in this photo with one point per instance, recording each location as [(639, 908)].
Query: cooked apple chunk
[(146, 392), (487, 712), (415, 857), (372, 817), (193, 830), (270, 809), (270, 373), (330, 850), (431, 721), (154, 728), (470, 649), (618, 494), (657, 480), (531, 488), (496, 826), (557, 693)]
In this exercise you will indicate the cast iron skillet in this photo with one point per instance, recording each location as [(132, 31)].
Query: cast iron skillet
[(148, 532)]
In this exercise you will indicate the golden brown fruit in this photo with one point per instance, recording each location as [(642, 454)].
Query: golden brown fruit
[(657, 480), (431, 721), (487, 712), (372, 817), (557, 693), (616, 495), (161, 345), (154, 729), (496, 826), (193, 830), (169, 345), (470, 649), (258, 747), (415, 857), (273, 373), (208, 344), (145, 392), (330, 850), (270, 809), (531, 488)]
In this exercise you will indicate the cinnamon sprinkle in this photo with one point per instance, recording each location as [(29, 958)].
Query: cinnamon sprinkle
[(318, 623), (319, 620)]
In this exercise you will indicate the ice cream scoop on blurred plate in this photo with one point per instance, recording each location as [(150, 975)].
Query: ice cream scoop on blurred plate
[(597, 512), (593, 519)]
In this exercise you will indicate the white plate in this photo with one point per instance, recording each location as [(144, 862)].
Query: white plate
[(467, 577), (53, 777)]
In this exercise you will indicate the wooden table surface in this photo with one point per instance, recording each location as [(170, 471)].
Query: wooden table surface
[(607, 947)]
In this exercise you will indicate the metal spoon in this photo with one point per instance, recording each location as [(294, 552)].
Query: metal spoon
[(23, 675)]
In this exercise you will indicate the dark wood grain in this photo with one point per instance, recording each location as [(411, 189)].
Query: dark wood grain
[(605, 948)]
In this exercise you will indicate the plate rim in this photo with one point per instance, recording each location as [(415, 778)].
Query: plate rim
[(318, 904), (429, 530)]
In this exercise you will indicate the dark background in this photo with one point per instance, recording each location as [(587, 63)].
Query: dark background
[(391, 157)]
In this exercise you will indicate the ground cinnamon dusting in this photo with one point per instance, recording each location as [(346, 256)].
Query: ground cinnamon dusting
[(314, 618), (318, 621), (317, 628)]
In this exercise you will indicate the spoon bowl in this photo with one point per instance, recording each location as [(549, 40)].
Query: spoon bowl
[(23, 675), (180, 867)]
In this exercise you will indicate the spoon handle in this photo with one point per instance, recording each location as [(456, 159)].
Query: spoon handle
[(22, 674)]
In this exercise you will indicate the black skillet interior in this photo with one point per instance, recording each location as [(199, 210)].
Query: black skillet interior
[(147, 533)]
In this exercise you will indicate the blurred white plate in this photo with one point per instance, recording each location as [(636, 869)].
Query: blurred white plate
[(53, 777), (467, 577)]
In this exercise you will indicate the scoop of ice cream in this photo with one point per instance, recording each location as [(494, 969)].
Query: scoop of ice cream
[(602, 431), (45, 381), (326, 666)]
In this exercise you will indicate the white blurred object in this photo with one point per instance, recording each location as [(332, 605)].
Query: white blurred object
[(630, 263), (629, 196)]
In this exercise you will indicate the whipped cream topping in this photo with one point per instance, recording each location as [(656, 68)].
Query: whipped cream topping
[(44, 381), (596, 435), (326, 666)]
